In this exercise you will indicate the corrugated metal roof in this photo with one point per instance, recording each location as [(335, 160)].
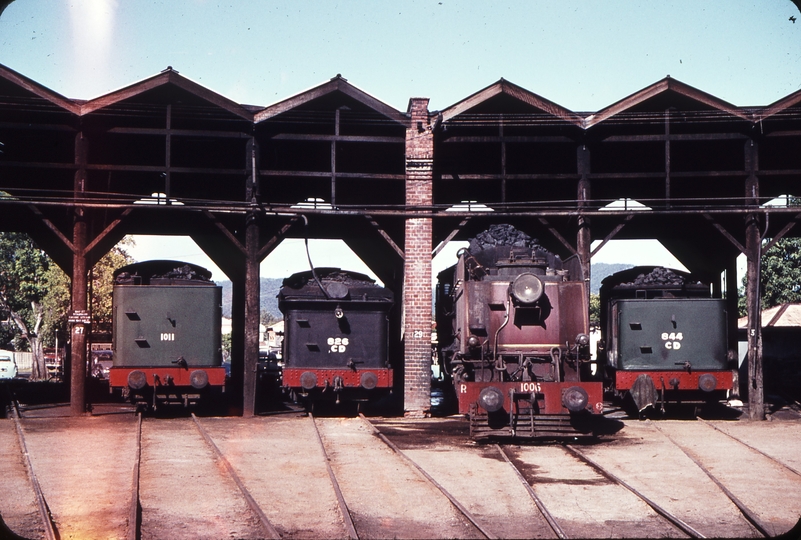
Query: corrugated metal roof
[(785, 315)]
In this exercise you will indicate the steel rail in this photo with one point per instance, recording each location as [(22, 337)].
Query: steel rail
[(678, 523), (459, 506), (134, 515), (757, 450), (744, 510), (51, 532), (265, 522), (343, 506), (560, 533)]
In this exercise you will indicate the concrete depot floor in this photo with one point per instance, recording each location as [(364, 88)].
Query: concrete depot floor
[(84, 467)]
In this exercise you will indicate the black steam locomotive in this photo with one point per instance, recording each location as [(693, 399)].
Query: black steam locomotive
[(664, 338), (513, 325), (166, 333), (335, 336)]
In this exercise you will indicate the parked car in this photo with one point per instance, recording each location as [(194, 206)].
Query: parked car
[(8, 366), (101, 363)]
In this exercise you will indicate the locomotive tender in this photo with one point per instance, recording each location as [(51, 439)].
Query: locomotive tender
[(336, 336), (166, 333), (664, 338), (513, 325)]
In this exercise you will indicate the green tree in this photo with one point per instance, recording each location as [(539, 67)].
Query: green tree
[(35, 293), (595, 308), (780, 275), (23, 284)]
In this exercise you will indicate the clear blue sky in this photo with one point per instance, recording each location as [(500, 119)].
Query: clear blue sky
[(582, 54)]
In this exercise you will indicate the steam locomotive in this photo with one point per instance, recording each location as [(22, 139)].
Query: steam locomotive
[(664, 339), (336, 337), (166, 333), (513, 325)]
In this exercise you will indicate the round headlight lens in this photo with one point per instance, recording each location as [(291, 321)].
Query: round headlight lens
[(527, 288)]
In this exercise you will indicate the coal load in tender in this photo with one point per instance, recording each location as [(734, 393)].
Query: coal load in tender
[(182, 272), (658, 276), (301, 279), (504, 241)]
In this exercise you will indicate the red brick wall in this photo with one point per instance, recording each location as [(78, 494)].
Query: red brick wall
[(417, 270)]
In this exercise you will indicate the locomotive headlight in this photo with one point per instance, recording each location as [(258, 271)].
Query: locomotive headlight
[(491, 399), (707, 382), (338, 313), (575, 399), (527, 288), (582, 340), (473, 342)]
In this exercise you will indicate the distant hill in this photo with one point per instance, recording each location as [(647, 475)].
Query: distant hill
[(269, 293), (601, 270)]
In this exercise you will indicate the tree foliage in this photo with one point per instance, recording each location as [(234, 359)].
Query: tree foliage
[(23, 284), (35, 296), (780, 275)]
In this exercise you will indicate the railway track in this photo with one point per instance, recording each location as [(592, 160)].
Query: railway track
[(48, 523), (267, 527), (672, 519), (757, 450), (747, 513), (456, 504)]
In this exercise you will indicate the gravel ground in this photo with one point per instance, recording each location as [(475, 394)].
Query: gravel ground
[(480, 479), (84, 466), (17, 502), (280, 463), (386, 496), (184, 493), (775, 496), (653, 465)]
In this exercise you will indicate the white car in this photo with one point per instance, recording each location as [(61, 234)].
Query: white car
[(8, 366)]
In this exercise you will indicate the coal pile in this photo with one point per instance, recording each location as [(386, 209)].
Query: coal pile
[(329, 275), (502, 235), (659, 276), (182, 272)]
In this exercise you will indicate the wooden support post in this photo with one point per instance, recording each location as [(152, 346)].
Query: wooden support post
[(79, 331), (753, 249), (236, 381), (252, 316), (79, 303), (584, 237)]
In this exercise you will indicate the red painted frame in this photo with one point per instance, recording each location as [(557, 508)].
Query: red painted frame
[(118, 376), (551, 394), (624, 380), (350, 378)]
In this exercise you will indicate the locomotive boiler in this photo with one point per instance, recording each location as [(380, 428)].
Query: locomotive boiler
[(336, 339), (166, 333), (513, 325), (664, 338)]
